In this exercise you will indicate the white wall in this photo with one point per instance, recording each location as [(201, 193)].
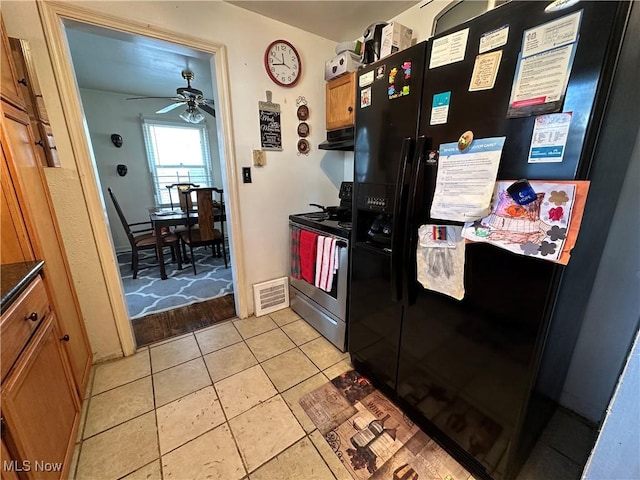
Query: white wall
[(108, 113), (287, 184)]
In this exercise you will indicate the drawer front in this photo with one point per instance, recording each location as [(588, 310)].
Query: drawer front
[(20, 321)]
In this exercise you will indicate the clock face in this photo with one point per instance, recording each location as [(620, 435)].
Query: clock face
[(283, 63)]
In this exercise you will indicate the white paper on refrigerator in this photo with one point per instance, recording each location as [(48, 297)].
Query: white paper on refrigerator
[(449, 49), (550, 35), (441, 269), (466, 180), (549, 137), (493, 39), (485, 71)]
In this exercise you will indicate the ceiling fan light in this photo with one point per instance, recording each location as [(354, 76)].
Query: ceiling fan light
[(192, 115)]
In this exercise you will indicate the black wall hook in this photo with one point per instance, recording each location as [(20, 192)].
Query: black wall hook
[(122, 170)]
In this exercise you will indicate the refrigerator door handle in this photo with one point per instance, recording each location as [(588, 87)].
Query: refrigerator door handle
[(409, 275), (399, 206)]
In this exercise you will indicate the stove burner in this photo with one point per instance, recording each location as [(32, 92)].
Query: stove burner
[(345, 225)]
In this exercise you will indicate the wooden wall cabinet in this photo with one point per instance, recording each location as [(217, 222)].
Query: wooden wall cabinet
[(340, 101), (34, 102)]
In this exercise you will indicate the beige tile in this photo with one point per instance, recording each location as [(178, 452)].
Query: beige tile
[(338, 369), (229, 361), (120, 450), (188, 417), (173, 353), (118, 405), (92, 375), (252, 326), (169, 340), (217, 337), (210, 456), (292, 396), (323, 353), (301, 461), (148, 472), (289, 369), (300, 332), (336, 466), (269, 344), (244, 390), (121, 371), (178, 381), (284, 316), (265, 431)]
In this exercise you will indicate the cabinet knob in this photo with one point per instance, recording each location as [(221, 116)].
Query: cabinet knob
[(40, 144), (65, 338), (33, 316), (350, 109), (23, 81)]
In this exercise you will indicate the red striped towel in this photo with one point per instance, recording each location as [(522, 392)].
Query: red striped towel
[(326, 263), (308, 242)]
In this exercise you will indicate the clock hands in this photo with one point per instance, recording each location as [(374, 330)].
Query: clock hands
[(281, 63)]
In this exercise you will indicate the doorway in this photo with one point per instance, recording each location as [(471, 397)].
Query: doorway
[(106, 114)]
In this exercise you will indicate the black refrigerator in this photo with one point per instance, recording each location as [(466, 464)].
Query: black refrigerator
[(471, 372)]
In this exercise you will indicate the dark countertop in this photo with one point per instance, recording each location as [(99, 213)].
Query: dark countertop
[(14, 277)]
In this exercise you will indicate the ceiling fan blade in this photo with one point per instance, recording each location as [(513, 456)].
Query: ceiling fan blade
[(168, 108), (177, 99), (207, 108)]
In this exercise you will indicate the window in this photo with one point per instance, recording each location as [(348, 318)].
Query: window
[(177, 153)]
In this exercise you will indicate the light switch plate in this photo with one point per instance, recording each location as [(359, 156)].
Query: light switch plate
[(246, 174), (259, 158)]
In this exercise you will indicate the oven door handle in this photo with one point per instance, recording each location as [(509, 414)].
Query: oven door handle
[(399, 206)]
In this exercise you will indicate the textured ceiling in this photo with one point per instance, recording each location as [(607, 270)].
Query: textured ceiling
[(335, 20)]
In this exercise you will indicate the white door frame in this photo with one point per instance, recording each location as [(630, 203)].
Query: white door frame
[(52, 15)]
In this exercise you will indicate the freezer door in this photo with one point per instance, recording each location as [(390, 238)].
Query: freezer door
[(388, 96)]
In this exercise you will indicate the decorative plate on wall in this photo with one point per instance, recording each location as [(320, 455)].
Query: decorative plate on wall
[(303, 129), (303, 146), (303, 112)]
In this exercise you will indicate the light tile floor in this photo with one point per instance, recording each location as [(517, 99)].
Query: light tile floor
[(222, 403)]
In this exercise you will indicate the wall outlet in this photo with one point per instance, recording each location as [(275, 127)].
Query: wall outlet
[(246, 174), (259, 158)]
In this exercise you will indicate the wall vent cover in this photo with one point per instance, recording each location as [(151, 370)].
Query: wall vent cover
[(271, 296)]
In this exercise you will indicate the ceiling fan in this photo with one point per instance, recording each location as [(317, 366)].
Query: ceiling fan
[(189, 96)]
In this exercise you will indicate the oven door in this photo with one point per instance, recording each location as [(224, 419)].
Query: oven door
[(334, 301)]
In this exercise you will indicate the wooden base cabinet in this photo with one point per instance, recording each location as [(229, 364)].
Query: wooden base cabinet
[(40, 408)]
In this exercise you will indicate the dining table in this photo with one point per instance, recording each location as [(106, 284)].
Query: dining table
[(162, 219)]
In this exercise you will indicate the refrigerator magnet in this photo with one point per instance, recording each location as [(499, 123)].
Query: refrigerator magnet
[(522, 192), (440, 108), (465, 140), (365, 97), (380, 72), (400, 80)]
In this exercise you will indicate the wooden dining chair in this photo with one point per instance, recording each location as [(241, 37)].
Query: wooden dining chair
[(143, 238), (184, 201), (210, 212)]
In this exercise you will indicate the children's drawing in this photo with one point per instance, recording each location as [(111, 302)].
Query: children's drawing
[(537, 229)]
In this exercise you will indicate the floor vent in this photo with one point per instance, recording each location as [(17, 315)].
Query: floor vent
[(271, 296)]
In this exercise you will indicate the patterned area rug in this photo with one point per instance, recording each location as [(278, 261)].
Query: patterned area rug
[(148, 294), (372, 437)]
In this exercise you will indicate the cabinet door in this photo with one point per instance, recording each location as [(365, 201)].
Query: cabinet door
[(33, 195), (40, 406), (6, 473), (16, 246), (340, 99), (9, 85)]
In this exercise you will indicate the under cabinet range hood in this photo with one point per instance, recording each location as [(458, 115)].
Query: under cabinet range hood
[(341, 139)]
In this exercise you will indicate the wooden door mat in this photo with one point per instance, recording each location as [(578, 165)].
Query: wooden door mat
[(160, 326), (372, 438)]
